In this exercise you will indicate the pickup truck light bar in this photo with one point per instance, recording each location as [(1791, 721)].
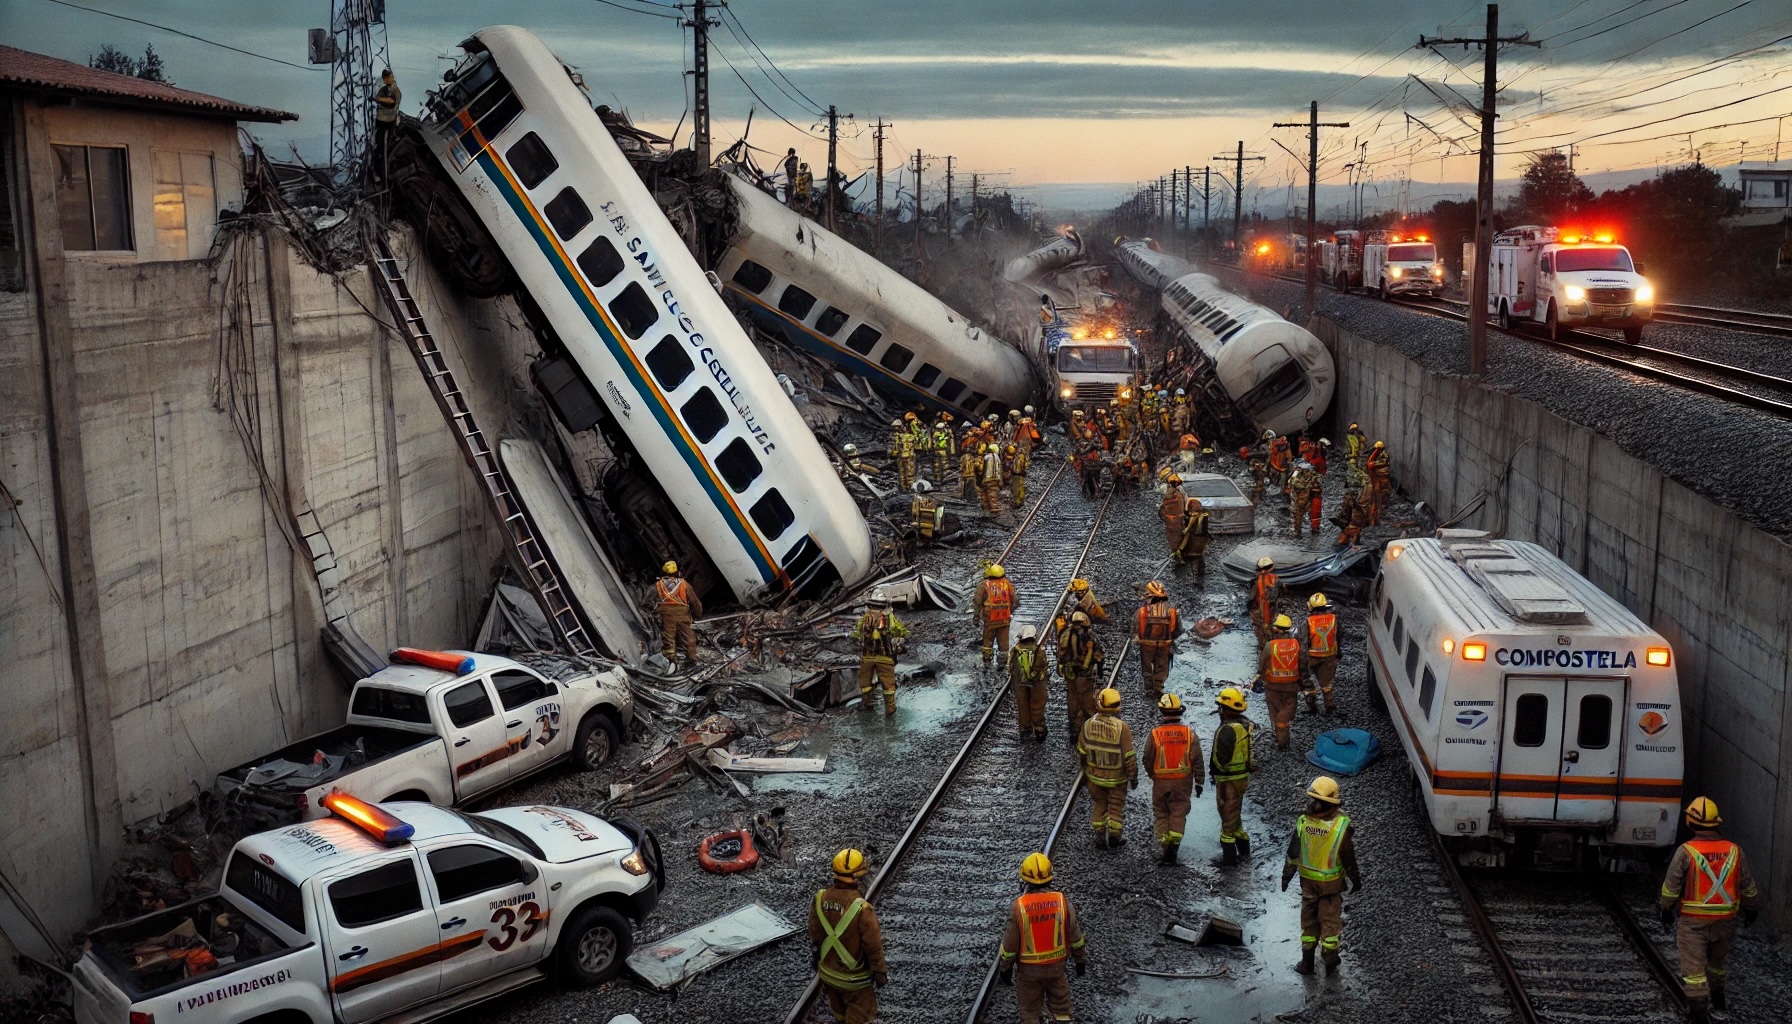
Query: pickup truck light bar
[(375, 821), (459, 664)]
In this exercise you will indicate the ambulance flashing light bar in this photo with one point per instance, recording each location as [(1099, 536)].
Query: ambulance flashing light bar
[(459, 664), (375, 821)]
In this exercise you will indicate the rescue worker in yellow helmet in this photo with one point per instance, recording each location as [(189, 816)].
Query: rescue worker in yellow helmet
[(1231, 763), (1171, 511), (1280, 668), (1173, 760), (993, 606), (880, 636), (1041, 935), (902, 449), (1080, 658), (1319, 636), (1322, 852), (1710, 884), (1080, 597), (1028, 673), (941, 444), (1265, 599), (1110, 767), (968, 462), (1154, 630), (847, 943), (678, 606)]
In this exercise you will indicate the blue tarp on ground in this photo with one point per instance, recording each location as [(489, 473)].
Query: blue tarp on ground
[(1344, 751)]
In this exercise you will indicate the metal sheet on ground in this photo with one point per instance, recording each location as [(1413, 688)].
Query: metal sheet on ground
[(678, 958), (589, 575)]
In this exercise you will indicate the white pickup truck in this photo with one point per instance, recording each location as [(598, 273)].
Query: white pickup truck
[(442, 734), (398, 912)]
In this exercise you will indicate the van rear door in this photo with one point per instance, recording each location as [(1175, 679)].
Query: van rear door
[(1559, 750)]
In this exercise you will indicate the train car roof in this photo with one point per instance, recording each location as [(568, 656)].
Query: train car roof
[(1510, 587)]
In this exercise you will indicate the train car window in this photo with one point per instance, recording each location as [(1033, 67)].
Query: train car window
[(752, 276), (601, 262), (977, 398), (926, 375), (531, 159), (1530, 720), (1399, 633), (830, 321), (772, 514), (738, 465), (704, 415), (796, 302), (1595, 731), (863, 339), (1412, 663), (669, 363), (1427, 691), (896, 358), (951, 389), (494, 109), (567, 212), (634, 311), (1387, 614)]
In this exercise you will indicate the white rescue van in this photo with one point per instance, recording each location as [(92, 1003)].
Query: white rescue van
[(1397, 267), (1541, 275)]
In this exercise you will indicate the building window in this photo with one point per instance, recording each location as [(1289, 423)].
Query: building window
[(185, 203), (12, 257), (93, 196)]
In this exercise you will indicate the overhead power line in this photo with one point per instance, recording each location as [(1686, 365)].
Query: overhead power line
[(188, 35)]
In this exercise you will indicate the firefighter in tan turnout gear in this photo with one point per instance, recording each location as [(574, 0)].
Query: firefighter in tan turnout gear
[(1231, 763), (879, 635), (1322, 852), (1709, 883), (1155, 631), (1280, 668), (1041, 935), (1109, 766), (1173, 760), (678, 605), (1028, 672), (1320, 637), (994, 608), (1080, 657), (848, 944)]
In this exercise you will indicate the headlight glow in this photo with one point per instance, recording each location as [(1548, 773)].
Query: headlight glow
[(1437, 271), (635, 864), (1396, 272), (1575, 293), (1645, 293)]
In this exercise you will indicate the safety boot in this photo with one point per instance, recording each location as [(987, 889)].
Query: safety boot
[(1116, 840), (1698, 1012), (1330, 957), (1228, 854), (1169, 856), (1306, 961), (1312, 705), (1244, 848), (1717, 999)]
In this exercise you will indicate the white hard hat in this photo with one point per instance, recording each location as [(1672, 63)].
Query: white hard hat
[(851, 449)]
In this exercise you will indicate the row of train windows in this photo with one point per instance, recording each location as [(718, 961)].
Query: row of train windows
[(1427, 683), (798, 304), (634, 312), (1207, 314)]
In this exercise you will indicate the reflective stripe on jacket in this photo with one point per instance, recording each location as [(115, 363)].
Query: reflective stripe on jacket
[(1284, 660), (849, 975), (1157, 624), (1320, 842), (1322, 636), (1710, 878), (1238, 765), (1172, 742), (998, 600), (674, 592), (1106, 749), (1042, 924)]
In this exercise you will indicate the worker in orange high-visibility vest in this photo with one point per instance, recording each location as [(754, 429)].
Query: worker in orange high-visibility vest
[(1279, 673), (678, 605), (1266, 598), (994, 608), (1320, 636), (1042, 934), (1710, 884), (1155, 631), (1173, 760)]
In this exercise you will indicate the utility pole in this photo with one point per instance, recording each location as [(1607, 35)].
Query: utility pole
[(877, 135), (1206, 211), (1188, 195), (948, 202), (975, 178), (1477, 296), (700, 23), (1238, 160), (833, 149), (1312, 127), (918, 250)]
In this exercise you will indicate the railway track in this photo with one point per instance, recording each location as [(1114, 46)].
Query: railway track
[(1745, 320), (941, 891), (1552, 944)]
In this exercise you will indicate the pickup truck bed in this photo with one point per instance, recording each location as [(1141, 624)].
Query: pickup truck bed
[(267, 792), (198, 941)]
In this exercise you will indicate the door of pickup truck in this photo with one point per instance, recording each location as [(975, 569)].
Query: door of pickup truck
[(532, 708), (490, 909), (478, 746), (382, 942)]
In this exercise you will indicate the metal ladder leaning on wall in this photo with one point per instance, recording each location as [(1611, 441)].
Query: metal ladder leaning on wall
[(538, 569)]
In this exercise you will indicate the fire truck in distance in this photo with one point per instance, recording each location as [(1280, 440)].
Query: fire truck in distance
[(1341, 260), (1396, 265), (1563, 280)]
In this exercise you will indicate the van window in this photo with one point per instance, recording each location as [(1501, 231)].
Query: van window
[(1530, 722), (396, 705), (669, 363), (1427, 691), (567, 212), (385, 893), (704, 415), (772, 514), (926, 375), (951, 389), (601, 262), (796, 302), (633, 310), (532, 161), (863, 339), (830, 321), (516, 689), (895, 358), (1595, 731), (468, 705), (752, 276), (267, 889), (462, 871), (1412, 664), (738, 465)]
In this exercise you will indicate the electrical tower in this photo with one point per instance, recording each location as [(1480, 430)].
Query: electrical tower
[(358, 37), (700, 23)]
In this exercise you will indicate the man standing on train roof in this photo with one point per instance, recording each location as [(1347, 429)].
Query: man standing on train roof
[(1323, 853), (678, 606), (1154, 630), (1266, 598), (1319, 635), (1170, 510), (880, 636), (1080, 658), (1110, 767), (805, 184), (940, 444), (1197, 533), (1380, 486), (1710, 884), (994, 606), (847, 943), (790, 169), (1173, 760), (1280, 668), (1231, 764), (1029, 673), (902, 449), (1042, 933)]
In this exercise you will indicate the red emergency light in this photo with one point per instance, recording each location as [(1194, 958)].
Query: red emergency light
[(459, 664), (375, 821)]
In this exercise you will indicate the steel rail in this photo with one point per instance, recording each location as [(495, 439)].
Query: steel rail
[(1484, 927), (1651, 954), (1743, 320), (934, 799)]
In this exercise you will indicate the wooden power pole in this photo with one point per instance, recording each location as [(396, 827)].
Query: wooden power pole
[(878, 136), (1238, 160), (833, 165), (700, 23), (1312, 127)]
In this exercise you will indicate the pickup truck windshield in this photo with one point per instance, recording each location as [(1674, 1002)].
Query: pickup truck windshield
[(1094, 359), (1412, 253), (396, 705), (267, 889), (497, 831), (1614, 258)]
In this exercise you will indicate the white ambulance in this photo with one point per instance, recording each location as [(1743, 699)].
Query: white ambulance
[(1563, 280), (1402, 266)]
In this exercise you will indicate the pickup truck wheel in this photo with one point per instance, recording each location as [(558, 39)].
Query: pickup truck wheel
[(596, 742), (593, 947)]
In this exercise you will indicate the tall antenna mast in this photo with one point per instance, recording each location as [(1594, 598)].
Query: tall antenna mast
[(358, 29)]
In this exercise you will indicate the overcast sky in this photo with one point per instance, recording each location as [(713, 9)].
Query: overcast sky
[(1035, 91)]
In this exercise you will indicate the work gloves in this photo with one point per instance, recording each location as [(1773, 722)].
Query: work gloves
[(1198, 789), (1748, 916), (1081, 968), (880, 980), (1353, 885), (1667, 919), (1287, 876), (1005, 975)]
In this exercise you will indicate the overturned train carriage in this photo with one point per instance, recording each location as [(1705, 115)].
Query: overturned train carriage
[(824, 295), (715, 466)]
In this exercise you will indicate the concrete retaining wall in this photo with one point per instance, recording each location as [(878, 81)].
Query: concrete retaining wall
[(1718, 588)]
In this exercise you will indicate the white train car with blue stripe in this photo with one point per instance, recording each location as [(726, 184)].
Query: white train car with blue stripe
[(825, 296), (640, 345)]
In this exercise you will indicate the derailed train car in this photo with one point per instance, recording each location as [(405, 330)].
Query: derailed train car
[(1148, 264), (715, 466), (826, 296)]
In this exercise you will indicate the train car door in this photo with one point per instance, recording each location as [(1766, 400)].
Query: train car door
[(1530, 748), (1591, 750)]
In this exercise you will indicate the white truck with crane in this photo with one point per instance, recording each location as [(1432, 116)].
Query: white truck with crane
[(1564, 279)]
